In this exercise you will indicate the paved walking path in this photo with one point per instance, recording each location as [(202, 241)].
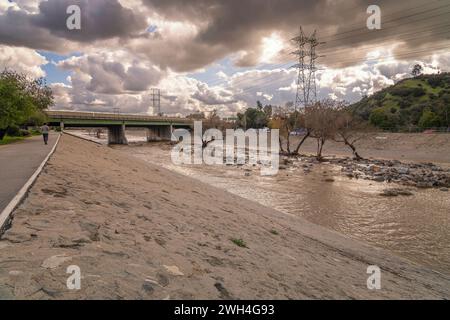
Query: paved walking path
[(18, 162)]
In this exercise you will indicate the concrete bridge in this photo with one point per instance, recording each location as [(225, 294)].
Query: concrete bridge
[(158, 128)]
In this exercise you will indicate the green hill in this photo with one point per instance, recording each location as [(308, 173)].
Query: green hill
[(416, 103)]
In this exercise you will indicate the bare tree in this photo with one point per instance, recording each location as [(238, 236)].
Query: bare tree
[(350, 129), (320, 118), (287, 121), (211, 121)]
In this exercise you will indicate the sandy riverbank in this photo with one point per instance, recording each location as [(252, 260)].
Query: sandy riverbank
[(140, 231)]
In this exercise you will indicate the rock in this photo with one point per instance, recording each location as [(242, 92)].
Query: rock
[(378, 179), (444, 189), (329, 180), (424, 185), (402, 170), (63, 242), (17, 237), (282, 167), (247, 174), (396, 192), (224, 294), (92, 230), (173, 270), (375, 168), (148, 287), (55, 261), (162, 280)]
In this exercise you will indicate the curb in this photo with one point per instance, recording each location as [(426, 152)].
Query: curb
[(6, 214)]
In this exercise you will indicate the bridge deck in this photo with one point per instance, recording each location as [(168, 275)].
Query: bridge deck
[(100, 118)]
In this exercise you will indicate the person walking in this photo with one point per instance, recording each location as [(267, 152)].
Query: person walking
[(45, 129)]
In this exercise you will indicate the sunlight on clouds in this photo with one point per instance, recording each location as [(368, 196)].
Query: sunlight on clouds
[(23, 60), (271, 47)]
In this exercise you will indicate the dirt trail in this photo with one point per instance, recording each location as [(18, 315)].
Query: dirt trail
[(140, 231)]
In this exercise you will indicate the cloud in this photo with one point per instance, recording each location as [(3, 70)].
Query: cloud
[(113, 73), (100, 19), (226, 27), (22, 60), (126, 47), (46, 27)]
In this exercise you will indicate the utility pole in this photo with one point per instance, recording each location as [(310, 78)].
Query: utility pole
[(156, 101), (306, 55), (116, 111)]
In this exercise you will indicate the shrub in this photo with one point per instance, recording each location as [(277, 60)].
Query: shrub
[(239, 242), (429, 119), (24, 133), (13, 131)]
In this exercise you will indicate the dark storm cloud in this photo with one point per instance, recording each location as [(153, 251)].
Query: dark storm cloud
[(101, 19), (233, 25), (47, 29), (17, 29)]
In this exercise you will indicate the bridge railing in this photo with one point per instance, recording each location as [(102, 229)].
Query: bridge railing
[(111, 116)]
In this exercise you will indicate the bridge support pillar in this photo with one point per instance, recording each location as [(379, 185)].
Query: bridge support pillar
[(116, 135), (159, 133), (61, 125)]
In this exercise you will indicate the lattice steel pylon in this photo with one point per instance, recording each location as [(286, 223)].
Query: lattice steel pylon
[(156, 101), (306, 66)]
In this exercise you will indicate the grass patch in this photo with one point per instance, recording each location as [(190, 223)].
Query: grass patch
[(239, 242), (275, 232), (8, 140)]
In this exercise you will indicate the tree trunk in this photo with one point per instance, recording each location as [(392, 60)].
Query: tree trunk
[(281, 144), (320, 143), (355, 153), (205, 143), (301, 142), (2, 133), (288, 143)]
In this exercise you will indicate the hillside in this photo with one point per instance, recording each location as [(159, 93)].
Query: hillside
[(414, 103)]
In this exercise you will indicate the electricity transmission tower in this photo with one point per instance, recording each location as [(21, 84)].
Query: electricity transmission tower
[(156, 101), (306, 55)]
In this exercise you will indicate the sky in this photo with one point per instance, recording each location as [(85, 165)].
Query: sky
[(222, 55)]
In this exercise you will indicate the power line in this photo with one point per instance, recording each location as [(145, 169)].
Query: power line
[(265, 83), (382, 30), (333, 34), (349, 49), (390, 21), (396, 37)]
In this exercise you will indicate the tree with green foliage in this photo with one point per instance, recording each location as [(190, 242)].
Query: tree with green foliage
[(417, 70), (22, 100), (429, 119), (255, 118), (410, 97)]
